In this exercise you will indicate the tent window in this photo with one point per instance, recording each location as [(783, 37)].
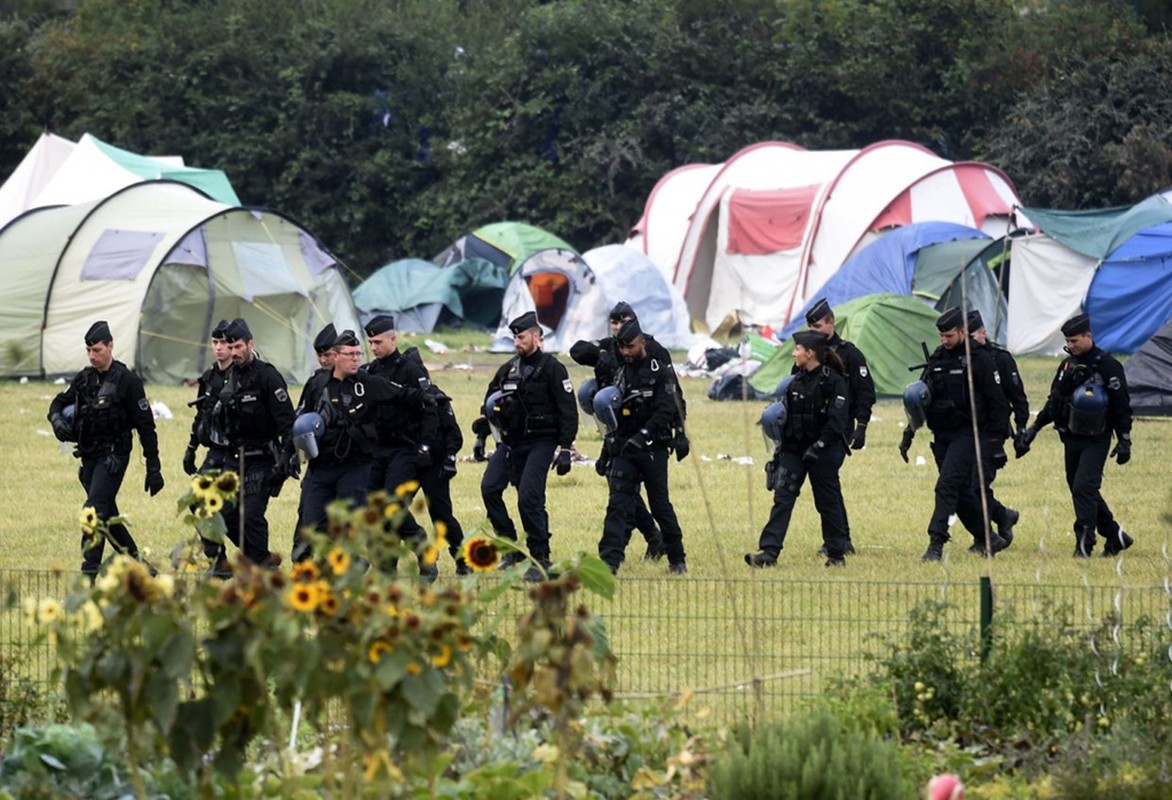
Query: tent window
[(763, 222), (263, 271), (551, 294), (119, 255), (317, 259), (193, 250)]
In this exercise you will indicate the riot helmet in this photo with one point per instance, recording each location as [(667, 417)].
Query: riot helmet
[(69, 414), (916, 399), (608, 404), (772, 424), (493, 413), (586, 391), (1088, 410), (308, 428)]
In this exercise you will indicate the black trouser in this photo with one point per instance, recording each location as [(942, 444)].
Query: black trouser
[(253, 496), (1085, 458), (323, 484), (790, 472), (525, 466), (101, 475), (437, 488), (957, 486), (997, 509), (393, 466), (646, 524), (627, 471)]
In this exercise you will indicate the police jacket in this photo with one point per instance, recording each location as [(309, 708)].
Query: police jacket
[(1094, 366), (409, 425), (817, 409), (538, 401), (648, 389), (351, 409), (255, 405), (108, 406), (207, 428), (860, 383), (607, 363), (950, 409), (1011, 385)]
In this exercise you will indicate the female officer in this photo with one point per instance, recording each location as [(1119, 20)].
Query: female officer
[(810, 440)]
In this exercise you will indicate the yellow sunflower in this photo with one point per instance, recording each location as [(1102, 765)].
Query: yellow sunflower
[(328, 602), (339, 560), (441, 535), (480, 554), (89, 520), (213, 502), (305, 571), (303, 596), (391, 510), (414, 668), (48, 611), (443, 657), (377, 650), (203, 485), (227, 483), (430, 555), (407, 488)]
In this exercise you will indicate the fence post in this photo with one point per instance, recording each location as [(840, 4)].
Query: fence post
[(986, 617)]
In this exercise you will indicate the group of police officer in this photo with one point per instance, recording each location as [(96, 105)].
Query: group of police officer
[(385, 425)]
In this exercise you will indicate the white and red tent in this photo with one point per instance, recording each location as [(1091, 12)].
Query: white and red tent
[(775, 221)]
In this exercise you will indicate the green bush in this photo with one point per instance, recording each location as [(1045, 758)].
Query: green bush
[(810, 759)]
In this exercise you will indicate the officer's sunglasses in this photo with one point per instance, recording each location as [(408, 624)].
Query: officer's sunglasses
[(350, 353)]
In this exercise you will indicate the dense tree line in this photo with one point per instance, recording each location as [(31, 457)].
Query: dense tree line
[(389, 127)]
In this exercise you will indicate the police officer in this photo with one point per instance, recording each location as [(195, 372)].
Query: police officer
[(406, 434), (860, 384), (349, 402), (642, 431), (954, 447), (538, 416), (1019, 404), (323, 348), (109, 402), (1088, 402), (254, 411), (811, 443), (210, 383)]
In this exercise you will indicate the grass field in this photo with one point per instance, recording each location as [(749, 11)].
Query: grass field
[(721, 504)]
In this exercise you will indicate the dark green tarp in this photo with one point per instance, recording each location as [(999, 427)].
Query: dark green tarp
[(1098, 232)]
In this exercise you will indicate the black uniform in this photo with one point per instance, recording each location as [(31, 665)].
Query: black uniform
[(108, 407), (1019, 405), (639, 454), (351, 409), (538, 414), (953, 445), (253, 409), (1086, 453), (813, 445)]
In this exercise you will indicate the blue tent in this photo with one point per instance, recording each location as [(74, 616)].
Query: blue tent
[(926, 259), (1130, 297)]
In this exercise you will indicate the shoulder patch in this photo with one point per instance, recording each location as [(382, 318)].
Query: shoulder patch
[(839, 401), (143, 404), (569, 387), (1114, 384), (281, 394), (863, 370), (996, 377), (424, 383), (669, 387)]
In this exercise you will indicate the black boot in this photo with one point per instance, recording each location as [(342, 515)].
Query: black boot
[(1005, 529), (1084, 542), (935, 551), (1116, 544)]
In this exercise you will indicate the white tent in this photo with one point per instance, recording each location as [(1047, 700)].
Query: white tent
[(20, 191), (1047, 285), (660, 233)]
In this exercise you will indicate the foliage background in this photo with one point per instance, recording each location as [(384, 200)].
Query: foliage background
[(390, 128)]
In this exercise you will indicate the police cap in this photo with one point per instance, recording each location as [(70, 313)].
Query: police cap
[(325, 339), (811, 339), (218, 331), (1080, 323), (629, 332), (818, 311), (98, 332), (975, 321), (622, 310), (346, 338), (380, 325), (952, 318), (237, 330), (525, 322)]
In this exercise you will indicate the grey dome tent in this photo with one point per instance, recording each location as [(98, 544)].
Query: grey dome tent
[(1149, 374)]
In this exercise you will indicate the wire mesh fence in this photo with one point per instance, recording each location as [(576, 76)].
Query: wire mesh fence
[(759, 646)]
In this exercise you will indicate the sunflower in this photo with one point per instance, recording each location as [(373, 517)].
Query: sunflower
[(227, 483), (443, 657), (441, 535), (407, 488), (339, 560), (414, 668), (391, 510), (89, 520), (203, 485), (303, 596), (48, 611), (480, 554), (305, 571), (429, 556), (327, 602), (377, 649), (213, 502)]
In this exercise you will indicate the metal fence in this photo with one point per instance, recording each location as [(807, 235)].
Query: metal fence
[(760, 645)]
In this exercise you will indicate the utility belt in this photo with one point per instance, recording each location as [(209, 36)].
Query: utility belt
[(101, 449)]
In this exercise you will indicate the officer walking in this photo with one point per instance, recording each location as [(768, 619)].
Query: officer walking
[(406, 434), (640, 424), (1088, 402), (1019, 404), (949, 415), (809, 428), (340, 416), (203, 431), (108, 403), (533, 400), (860, 384), (253, 410), (323, 348)]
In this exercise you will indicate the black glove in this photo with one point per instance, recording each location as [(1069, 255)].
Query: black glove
[(562, 462), (771, 467), (61, 428), (478, 449), (449, 468), (189, 466), (813, 452), (638, 442), (1000, 459), (905, 443), (1021, 442), (423, 457), (154, 476), (293, 465), (1122, 450), (859, 437), (681, 445), (480, 428)]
